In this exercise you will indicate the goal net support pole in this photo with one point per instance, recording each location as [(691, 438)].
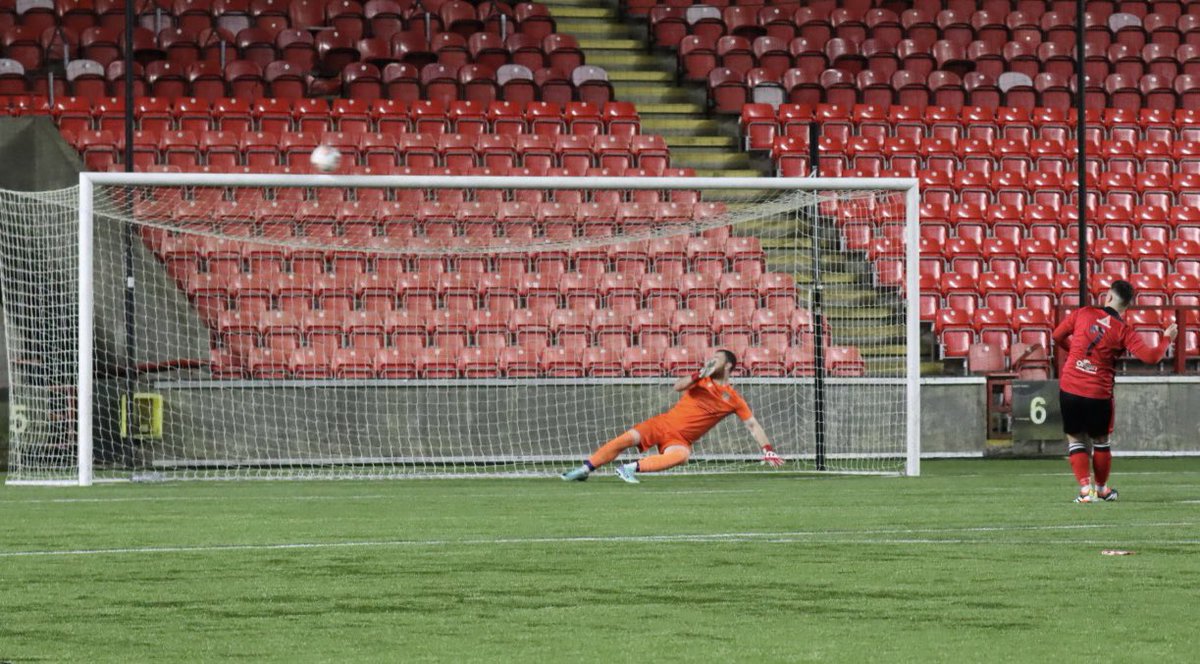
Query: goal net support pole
[(814, 192)]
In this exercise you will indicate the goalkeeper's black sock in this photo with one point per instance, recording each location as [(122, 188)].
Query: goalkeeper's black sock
[(589, 465)]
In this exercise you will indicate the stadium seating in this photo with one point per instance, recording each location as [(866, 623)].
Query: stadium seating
[(208, 50), (969, 97), (1007, 53), (997, 193)]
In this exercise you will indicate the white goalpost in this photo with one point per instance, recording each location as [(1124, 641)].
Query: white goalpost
[(165, 326)]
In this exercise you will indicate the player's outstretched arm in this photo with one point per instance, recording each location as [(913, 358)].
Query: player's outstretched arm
[(1149, 355), (770, 457)]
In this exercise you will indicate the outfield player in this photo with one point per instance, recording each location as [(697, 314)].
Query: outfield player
[(1093, 338), (707, 399)]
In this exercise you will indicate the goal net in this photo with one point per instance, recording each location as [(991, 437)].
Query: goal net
[(180, 326)]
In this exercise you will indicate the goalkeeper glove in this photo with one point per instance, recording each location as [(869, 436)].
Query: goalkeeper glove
[(770, 458), (709, 367)]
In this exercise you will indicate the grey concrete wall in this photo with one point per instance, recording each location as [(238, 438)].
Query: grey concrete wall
[(449, 422), (953, 418), (1153, 416), (34, 157), (286, 422)]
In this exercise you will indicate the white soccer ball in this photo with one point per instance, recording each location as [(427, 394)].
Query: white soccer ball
[(326, 158)]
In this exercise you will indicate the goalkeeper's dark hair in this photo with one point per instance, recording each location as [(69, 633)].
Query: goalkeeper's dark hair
[(1124, 290), (730, 358)]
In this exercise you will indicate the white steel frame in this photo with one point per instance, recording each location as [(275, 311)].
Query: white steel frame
[(88, 182)]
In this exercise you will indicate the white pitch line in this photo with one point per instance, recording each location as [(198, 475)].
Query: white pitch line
[(375, 496), (812, 537)]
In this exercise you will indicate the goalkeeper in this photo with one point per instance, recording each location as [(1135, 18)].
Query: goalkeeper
[(707, 399)]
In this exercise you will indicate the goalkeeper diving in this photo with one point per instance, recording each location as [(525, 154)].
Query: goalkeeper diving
[(707, 399)]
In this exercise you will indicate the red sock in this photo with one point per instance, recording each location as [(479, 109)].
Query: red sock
[(1101, 463), (1079, 465)]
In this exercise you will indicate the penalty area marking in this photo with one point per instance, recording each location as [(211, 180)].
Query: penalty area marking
[(797, 537)]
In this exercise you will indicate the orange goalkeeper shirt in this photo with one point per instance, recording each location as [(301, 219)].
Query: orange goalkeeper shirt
[(701, 407)]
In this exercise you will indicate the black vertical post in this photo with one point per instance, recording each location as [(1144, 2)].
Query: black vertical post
[(129, 237), (814, 158), (1081, 138), (130, 17)]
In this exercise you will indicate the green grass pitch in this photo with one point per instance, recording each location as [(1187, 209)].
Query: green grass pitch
[(974, 561)]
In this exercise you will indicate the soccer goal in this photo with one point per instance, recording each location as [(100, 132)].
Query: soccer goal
[(242, 326)]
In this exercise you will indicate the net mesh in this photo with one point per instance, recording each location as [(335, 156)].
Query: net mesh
[(394, 330)]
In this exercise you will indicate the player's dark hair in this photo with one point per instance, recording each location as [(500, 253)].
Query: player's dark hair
[(1124, 290), (730, 358)]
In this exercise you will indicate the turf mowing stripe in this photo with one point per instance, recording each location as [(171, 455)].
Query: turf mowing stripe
[(791, 537)]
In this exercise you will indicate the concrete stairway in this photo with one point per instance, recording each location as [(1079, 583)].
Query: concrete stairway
[(859, 314), (697, 140)]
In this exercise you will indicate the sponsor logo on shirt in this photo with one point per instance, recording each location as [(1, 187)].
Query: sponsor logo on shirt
[(1086, 366)]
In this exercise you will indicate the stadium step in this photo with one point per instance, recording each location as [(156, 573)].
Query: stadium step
[(590, 45), (617, 59), (701, 142), (669, 125), (689, 157), (711, 146), (577, 10), (640, 76), (653, 93), (591, 29)]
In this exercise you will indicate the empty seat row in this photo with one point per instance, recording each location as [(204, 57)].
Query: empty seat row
[(762, 122), (432, 301), (351, 253), (985, 156), (460, 152), (1043, 256), (553, 362), (502, 327), (326, 52), (389, 116), (959, 333), (1027, 361), (670, 21), (248, 80), (643, 203), (589, 277), (729, 90), (670, 24), (380, 18)]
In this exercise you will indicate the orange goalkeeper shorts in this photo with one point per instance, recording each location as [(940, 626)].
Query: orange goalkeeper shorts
[(656, 432)]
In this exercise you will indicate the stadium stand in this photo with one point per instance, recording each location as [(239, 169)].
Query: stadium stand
[(972, 98)]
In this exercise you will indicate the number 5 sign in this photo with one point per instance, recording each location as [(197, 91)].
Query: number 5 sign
[(1035, 411)]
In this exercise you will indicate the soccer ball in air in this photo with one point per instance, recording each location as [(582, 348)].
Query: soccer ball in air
[(325, 158)]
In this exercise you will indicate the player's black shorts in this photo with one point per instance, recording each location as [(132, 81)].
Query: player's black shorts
[(1081, 415)]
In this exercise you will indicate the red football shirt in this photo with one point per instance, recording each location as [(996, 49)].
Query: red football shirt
[(1097, 337)]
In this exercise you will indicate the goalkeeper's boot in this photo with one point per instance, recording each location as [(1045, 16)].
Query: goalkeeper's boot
[(579, 474), (1107, 494), (1086, 495), (625, 471)]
